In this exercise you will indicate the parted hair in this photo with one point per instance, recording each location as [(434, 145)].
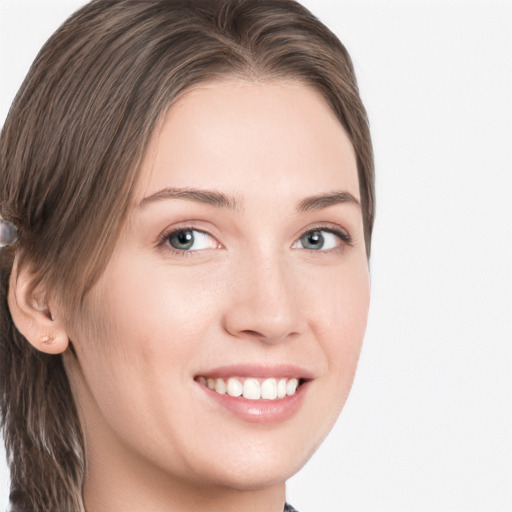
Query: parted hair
[(70, 155)]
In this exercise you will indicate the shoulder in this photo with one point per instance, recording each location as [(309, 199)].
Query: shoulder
[(289, 508)]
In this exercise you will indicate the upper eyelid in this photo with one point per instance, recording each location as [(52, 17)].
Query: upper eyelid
[(192, 225), (330, 227)]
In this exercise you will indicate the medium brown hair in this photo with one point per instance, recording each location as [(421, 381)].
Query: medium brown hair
[(70, 154)]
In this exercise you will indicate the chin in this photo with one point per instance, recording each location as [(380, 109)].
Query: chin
[(253, 477), (259, 466)]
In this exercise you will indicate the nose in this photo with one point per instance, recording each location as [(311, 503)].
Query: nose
[(266, 302)]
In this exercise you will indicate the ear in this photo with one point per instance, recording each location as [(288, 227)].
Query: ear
[(41, 324)]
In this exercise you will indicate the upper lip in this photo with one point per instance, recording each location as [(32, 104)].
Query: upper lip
[(254, 370)]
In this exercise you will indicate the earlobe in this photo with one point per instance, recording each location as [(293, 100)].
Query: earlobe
[(37, 321)]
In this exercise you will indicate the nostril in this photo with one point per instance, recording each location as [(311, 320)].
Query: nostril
[(252, 333), (263, 321)]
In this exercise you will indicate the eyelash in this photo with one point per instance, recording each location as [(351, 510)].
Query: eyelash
[(163, 239)]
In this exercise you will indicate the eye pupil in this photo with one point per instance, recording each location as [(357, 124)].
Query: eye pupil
[(313, 240), (182, 239)]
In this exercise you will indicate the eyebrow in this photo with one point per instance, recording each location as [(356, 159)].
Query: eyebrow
[(321, 201), (210, 197), (222, 200)]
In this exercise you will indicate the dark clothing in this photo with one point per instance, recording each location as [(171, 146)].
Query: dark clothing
[(289, 508)]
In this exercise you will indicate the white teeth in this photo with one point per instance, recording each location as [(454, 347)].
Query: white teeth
[(291, 386), (281, 388), (251, 388), (234, 387), (220, 386), (269, 389)]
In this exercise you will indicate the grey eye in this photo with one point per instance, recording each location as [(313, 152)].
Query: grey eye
[(182, 240), (321, 239), (191, 240), (313, 239)]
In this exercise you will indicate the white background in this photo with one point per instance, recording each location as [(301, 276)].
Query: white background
[(428, 426)]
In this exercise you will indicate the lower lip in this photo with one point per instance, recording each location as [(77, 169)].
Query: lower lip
[(260, 411)]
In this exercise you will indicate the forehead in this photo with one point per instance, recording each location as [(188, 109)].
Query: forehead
[(237, 135)]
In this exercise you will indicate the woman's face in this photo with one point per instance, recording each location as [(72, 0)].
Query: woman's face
[(242, 266)]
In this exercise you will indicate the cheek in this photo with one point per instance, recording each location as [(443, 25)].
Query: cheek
[(153, 326), (339, 320), (160, 308), (353, 305), (339, 301)]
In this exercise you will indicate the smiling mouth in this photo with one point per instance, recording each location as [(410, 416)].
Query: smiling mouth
[(253, 388)]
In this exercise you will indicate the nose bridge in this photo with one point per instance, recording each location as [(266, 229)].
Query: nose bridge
[(265, 303), (271, 280)]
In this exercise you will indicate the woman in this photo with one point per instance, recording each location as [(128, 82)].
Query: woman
[(191, 185)]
